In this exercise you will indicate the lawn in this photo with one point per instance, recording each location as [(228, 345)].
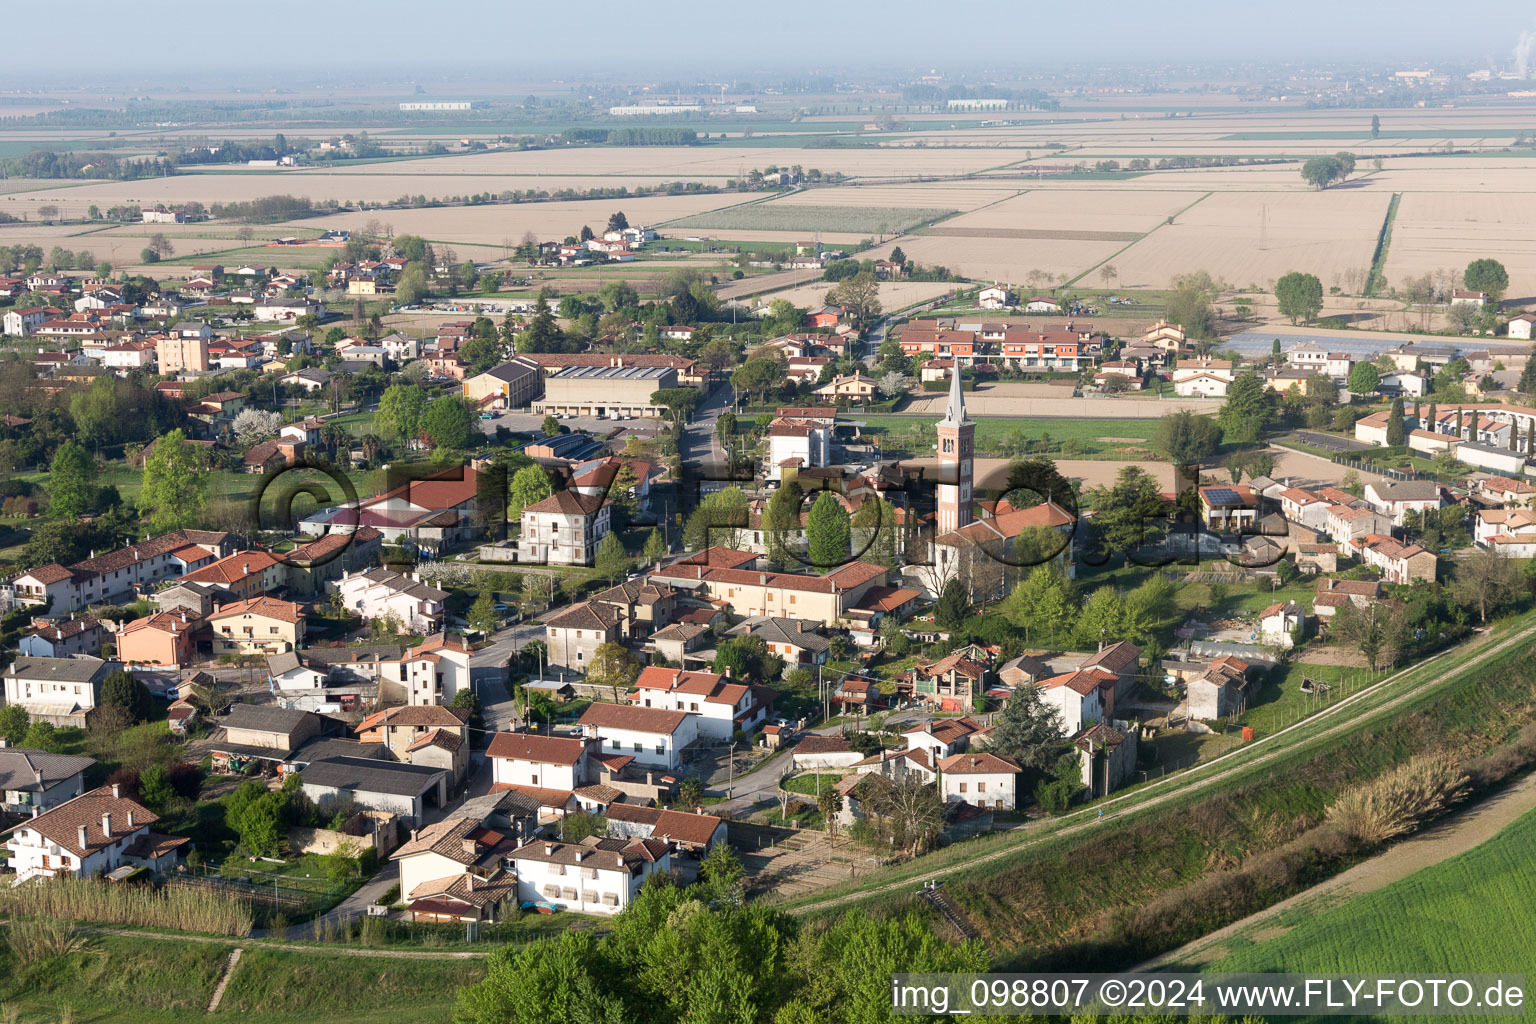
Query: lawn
[(1280, 701), (1471, 911), (807, 784)]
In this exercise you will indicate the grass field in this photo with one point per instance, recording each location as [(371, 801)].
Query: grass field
[(790, 217), (148, 980), (993, 432), (1470, 913)]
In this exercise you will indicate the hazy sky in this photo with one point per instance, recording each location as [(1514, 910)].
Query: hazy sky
[(157, 42)]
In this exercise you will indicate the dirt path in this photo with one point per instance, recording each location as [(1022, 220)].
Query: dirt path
[(1177, 787), (1446, 839), (294, 947)]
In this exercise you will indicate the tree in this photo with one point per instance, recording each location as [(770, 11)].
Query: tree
[(448, 421), (1300, 296), (42, 735), (412, 285), (71, 482), (781, 521), (758, 376), (1364, 379), (907, 813), (1322, 171), (1395, 434), (655, 547), (529, 485), (173, 494), (617, 221), (161, 246), (860, 296), (611, 560), (1528, 374), (1487, 275), (1321, 390), (680, 402), (1108, 274), (1029, 730), (400, 411), (1247, 410), (121, 689), (482, 614), (827, 532), (1187, 437), (612, 667), (1379, 631), (894, 383), (14, 721), (155, 790), (1130, 512), (252, 426), (1346, 163), (719, 519), (1189, 306), (1375, 126), (952, 608), (1486, 578)]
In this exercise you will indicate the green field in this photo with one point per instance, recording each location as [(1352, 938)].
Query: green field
[(995, 432), (793, 217), (150, 980), (1469, 913)]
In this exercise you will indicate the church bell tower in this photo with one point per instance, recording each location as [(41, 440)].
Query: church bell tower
[(957, 452)]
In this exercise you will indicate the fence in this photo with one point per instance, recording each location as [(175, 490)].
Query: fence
[(273, 897)]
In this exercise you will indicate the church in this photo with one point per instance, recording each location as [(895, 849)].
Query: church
[(978, 550)]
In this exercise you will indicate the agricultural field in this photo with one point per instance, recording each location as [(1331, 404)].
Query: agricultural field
[(962, 196), (836, 220), (1255, 239), (1469, 911), (1446, 230), (1072, 213), (893, 294)]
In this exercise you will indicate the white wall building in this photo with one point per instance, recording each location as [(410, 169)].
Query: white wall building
[(652, 736), (595, 876)]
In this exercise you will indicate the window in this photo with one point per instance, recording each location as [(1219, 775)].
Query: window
[(638, 748), (962, 787), (611, 899), (569, 894), (588, 896), (661, 748), (552, 891), (589, 873), (981, 787)]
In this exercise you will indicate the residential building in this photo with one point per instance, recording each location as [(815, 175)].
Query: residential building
[(981, 779), (1314, 359), (596, 876), (117, 575), (536, 761), (564, 529), (161, 638), (830, 598), (421, 734), (573, 635), (270, 727), (721, 708), (1218, 690), (799, 439), (380, 593), (1300, 505), (1202, 378), (852, 387), (797, 641), (176, 354), (654, 736), (62, 638), (258, 625), (1082, 697), (405, 790), (643, 606), (1280, 624), (1398, 562), (456, 870), (1108, 756), (1343, 524), (32, 781), (954, 682), (1229, 509), (1397, 499), (97, 832), (995, 297), (243, 574), (60, 691), (1122, 660)]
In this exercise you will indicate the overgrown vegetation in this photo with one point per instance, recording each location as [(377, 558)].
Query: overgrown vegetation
[(84, 899)]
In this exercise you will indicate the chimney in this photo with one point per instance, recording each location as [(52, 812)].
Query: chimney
[(117, 791), (580, 854), (727, 671), (469, 846), (81, 836), (130, 819), (37, 775), (414, 833), (106, 824), (549, 849)]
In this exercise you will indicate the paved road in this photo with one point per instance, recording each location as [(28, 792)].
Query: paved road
[(487, 671), (699, 445)]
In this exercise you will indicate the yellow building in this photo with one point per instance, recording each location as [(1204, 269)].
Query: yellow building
[(261, 625)]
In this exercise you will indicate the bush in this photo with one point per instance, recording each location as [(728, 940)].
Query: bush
[(1056, 796), (1401, 800)]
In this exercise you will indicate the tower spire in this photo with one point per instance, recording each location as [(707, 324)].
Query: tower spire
[(954, 412)]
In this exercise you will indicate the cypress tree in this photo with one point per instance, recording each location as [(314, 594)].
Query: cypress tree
[(1395, 423)]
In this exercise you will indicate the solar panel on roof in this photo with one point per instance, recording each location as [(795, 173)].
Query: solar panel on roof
[(1222, 496)]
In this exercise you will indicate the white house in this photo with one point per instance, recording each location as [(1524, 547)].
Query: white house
[(1397, 499), (57, 690), (1279, 622), (541, 762), (35, 780), (1300, 505), (1202, 378), (1081, 697), (1316, 359), (1040, 304), (980, 779), (720, 706), (799, 439), (595, 876), (1520, 325), (98, 831), (653, 736), (380, 592), (564, 529), (995, 297), (455, 869), (824, 752)]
